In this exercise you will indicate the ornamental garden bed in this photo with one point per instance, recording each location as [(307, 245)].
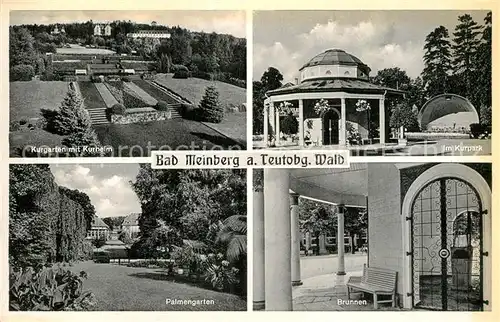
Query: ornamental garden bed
[(144, 114)]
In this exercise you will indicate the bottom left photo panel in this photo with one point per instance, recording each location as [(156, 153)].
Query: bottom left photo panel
[(126, 237)]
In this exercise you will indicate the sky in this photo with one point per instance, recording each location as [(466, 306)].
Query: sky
[(381, 39), (227, 22), (107, 185)]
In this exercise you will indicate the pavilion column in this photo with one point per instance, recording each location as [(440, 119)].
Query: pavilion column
[(301, 122), (258, 249), (277, 113), (295, 240), (271, 118), (277, 231), (343, 116), (381, 120), (340, 241), (267, 106)]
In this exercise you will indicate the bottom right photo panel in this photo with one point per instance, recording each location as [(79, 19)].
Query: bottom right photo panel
[(374, 236)]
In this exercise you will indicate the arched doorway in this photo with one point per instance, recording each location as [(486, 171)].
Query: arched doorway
[(331, 127), (446, 246)]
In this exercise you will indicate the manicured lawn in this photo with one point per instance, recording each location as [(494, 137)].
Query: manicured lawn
[(76, 49), (234, 126), (122, 288), (155, 92), (18, 140), (180, 134), (194, 88), (91, 95), (28, 98)]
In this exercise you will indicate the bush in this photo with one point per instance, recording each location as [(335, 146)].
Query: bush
[(485, 115), (181, 74), (476, 130), (210, 108), (403, 116), (188, 111), (21, 73), (162, 106), (126, 79), (202, 75), (86, 138), (118, 109), (219, 273), (49, 289), (289, 124)]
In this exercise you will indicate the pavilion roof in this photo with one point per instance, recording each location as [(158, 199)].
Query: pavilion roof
[(349, 85)]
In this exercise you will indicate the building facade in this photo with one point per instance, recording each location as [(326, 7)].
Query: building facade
[(98, 229), (131, 225), (155, 34), (102, 30)]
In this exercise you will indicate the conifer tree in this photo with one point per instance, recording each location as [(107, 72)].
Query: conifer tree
[(72, 115), (210, 108), (437, 61)]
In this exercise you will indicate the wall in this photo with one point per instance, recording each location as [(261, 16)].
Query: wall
[(328, 71), (385, 242), (141, 117)]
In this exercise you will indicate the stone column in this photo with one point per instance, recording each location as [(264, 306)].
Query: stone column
[(258, 249), (301, 123), (277, 113), (267, 106), (381, 120), (296, 237), (343, 116), (271, 118), (340, 241), (277, 232)]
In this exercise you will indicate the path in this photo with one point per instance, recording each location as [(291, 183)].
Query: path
[(122, 288)]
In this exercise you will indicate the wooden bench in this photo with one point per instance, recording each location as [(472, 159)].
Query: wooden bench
[(376, 281)]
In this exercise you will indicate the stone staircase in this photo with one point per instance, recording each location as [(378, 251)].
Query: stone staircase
[(175, 111), (98, 116)]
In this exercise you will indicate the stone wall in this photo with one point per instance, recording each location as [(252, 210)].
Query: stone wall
[(140, 117)]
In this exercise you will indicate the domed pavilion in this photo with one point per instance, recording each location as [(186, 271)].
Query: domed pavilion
[(334, 102)]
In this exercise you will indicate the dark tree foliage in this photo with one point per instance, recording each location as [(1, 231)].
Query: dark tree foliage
[(114, 222), (210, 108), (45, 225), (437, 62), (182, 204), (289, 124), (271, 79), (83, 199)]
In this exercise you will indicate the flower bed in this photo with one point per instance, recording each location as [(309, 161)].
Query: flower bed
[(144, 114)]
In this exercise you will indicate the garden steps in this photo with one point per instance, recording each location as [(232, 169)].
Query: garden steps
[(98, 116)]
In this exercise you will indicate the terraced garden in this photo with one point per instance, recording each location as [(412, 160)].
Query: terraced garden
[(155, 92), (91, 95)]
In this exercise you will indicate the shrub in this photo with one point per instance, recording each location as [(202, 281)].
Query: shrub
[(476, 130), (188, 111), (118, 109), (126, 79), (403, 116), (162, 106), (87, 138), (181, 74), (49, 289), (219, 272), (14, 126), (485, 112), (210, 108), (289, 124), (21, 73), (202, 75)]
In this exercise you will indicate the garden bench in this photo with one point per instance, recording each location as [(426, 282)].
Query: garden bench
[(376, 281)]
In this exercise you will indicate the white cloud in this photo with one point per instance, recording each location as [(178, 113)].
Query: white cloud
[(373, 43), (111, 196)]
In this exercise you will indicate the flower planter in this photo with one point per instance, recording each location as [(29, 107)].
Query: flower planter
[(402, 142)]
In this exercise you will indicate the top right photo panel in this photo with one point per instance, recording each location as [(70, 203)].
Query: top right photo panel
[(385, 82)]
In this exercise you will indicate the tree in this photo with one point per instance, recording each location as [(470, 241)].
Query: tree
[(271, 79), (289, 124), (99, 241), (210, 108), (483, 62), (393, 78), (465, 45), (402, 115), (21, 47), (72, 116), (437, 62), (114, 222), (317, 218), (125, 238), (84, 201), (356, 222)]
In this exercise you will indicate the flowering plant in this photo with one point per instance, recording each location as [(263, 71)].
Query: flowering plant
[(321, 107), (284, 107), (362, 105)]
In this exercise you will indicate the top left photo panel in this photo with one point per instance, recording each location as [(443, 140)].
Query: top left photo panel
[(126, 83)]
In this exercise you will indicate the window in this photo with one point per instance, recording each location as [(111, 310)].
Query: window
[(347, 73), (328, 72)]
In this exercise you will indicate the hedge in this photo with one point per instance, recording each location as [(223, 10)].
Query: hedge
[(21, 73)]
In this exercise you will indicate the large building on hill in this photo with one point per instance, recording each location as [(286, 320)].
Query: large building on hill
[(131, 224), (102, 30), (157, 34), (98, 229)]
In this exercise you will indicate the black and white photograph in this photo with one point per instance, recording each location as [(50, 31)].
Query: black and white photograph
[(125, 83), (385, 82), (373, 237), (125, 237)]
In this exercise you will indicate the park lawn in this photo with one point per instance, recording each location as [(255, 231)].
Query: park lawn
[(122, 288), (233, 125), (193, 89), (139, 139), (28, 98), (91, 96), (19, 140), (155, 92)]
